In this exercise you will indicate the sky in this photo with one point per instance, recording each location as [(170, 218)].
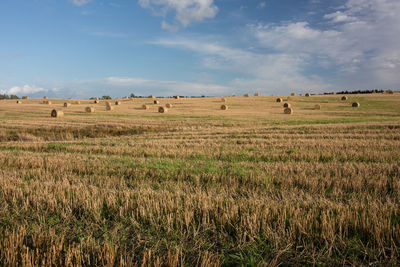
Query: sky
[(87, 48)]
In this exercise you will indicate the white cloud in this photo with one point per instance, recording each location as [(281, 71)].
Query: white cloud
[(80, 2), (24, 90), (186, 11)]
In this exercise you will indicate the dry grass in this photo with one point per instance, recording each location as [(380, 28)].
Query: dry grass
[(198, 186)]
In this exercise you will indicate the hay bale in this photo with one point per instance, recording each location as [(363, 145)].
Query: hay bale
[(223, 99), (89, 109), (355, 105), (292, 94), (77, 102), (145, 107), (96, 101), (45, 97), (126, 98), (156, 102), (307, 94), (344, 98), (279, 100), (108, 104), (47, 102), (177, 97), (117, 103), (317, 107), (162, 110), (109, 107), (224, 107), (256, 94), (152, 96), (25, 97), (66, 104), (288, 111), (19, 102), (57, 113), (286, 105), (246, 95), (168, 105)]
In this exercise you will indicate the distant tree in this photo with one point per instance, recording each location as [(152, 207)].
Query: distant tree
[(4, 96), (106, 97), (14, 97), (132, 95)]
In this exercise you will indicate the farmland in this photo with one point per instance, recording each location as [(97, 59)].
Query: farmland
[(199, 185)]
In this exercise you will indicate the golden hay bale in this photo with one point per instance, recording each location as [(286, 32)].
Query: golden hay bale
[(292, 94), (286, 105), (109, 107), (224, 107), (288, 111), (19, 102), (45, 97), (152, 96), (47, 102), (317, 106), (162, 110), (66, 104), (96, 101), (57, 113), (25, 97), (77, 102), (145, 107), (89, 109), (223, 99), (156, 102), (279, 100), (168, 105), (355, 105), (246, 95), (177, 97), (117, 103), (256, 94), (344, 98), (126, 98), (108, 104), (307, 94)]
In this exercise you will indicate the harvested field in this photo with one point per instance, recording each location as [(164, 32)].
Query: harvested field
[(201, 186)]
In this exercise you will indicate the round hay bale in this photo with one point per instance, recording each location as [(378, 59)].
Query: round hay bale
[(317, 107), (307, 94), (286, 105), (66, 104), (288, 111), (224, 107), (344, 98), (45, 97), (77, 102), (177, 97), (223, 99), (292, 94), (96, 101), (279, 100), (156, 102), (25, 97), (108, 104), (47, 102), (168, 105), (117, 103), (145, 107), (246, 95), (256, 94), (89, 109), (19, 102), (355, 105), (109, 108), (57, 113), (162, 110), (152, 96)]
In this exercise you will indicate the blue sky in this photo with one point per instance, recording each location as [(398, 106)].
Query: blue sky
[(84, 48)]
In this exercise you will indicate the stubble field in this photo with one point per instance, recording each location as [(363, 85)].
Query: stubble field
[(201, 186)]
